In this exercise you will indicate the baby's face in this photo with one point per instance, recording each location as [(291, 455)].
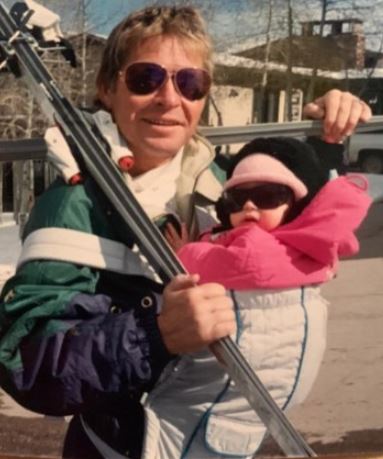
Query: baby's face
[(258, 208)]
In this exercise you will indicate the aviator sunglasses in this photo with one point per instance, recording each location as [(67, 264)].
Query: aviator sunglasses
[(268, 196), (144, 78)]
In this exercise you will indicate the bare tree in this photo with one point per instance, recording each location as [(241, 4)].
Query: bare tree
[(314, 73), (265, 70), (21, 118), (289, 73)]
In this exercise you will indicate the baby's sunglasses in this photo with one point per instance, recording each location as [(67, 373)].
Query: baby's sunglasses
[(144, 78), (267, 196)]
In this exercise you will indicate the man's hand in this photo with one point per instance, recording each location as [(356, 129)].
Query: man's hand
[(340, 111), (193, 316)]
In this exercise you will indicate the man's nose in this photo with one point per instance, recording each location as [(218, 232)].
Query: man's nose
[(167, 94)]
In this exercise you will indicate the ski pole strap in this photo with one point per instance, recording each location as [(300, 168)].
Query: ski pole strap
[(72, 246)]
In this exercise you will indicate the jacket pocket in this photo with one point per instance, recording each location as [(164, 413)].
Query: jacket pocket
[(232, 437)]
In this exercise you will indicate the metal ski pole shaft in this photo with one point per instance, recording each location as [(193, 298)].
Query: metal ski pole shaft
[(223, 135), (27, 149), (109, 179)]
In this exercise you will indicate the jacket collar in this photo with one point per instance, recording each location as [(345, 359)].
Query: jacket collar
[(196, 184)]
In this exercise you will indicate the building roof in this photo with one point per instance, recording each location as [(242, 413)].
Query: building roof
[(230, 60), (335, 21)]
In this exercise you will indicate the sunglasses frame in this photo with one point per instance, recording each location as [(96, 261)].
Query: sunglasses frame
[(167, 74), (254, 194)]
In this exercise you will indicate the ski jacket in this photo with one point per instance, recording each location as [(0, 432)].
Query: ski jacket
[(303, 252), (77, 339)]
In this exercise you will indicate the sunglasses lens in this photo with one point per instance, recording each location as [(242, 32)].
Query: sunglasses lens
[(193, 84), (269, 196), (144, 78)]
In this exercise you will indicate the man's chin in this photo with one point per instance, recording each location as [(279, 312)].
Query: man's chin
[(163, 148)]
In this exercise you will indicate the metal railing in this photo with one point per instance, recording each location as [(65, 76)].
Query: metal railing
[(35, 149), (324, 456), (236, 134)]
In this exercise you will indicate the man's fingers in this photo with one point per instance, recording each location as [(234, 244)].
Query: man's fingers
[(198, 334), (331, 103), (351, 112), (193, 316), (340, 111), (208, 290), (337, 119), (184, 233), (357, 110), (366, 112), (314, 110), (171, 231), (182, 282), (176, 240)]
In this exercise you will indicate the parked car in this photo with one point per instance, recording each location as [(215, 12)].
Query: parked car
[(365, 152)]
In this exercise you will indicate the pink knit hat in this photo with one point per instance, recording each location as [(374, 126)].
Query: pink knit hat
[(262, 167)]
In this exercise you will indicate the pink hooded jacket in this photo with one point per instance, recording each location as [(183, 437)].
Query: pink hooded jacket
[(302, 252)]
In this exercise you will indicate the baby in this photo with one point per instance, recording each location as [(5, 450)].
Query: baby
[(283, 227)]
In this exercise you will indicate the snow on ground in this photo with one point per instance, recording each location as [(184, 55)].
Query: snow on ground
[(9, 247)]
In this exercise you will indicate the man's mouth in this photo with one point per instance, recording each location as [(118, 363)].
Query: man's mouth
[(162, 122)]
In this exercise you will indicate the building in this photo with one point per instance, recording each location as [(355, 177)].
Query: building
[(338, 57)]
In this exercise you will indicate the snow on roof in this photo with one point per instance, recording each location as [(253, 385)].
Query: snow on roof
[(230, 60), (246, 44)]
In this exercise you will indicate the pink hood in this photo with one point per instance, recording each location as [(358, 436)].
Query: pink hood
[(302, 252)]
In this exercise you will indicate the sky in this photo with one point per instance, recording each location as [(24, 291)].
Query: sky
[(218, 13), (229, 21)]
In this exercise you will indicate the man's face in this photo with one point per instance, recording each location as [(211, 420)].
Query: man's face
[(156, 125)]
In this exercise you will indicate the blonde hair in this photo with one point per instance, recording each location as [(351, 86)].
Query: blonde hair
[(182, 22)]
